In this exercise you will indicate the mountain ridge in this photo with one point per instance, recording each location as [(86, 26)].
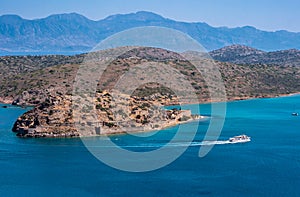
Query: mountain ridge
[(75, 32), (239, 54)]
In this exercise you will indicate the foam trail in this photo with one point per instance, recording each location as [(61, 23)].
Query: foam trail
[(206, 143), (179, 144)]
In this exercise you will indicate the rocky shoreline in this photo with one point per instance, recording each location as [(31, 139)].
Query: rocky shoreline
[(53, 117), (8, 101), (54, 121)]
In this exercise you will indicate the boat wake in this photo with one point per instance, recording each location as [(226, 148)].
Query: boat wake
[(159, 144), (208, 143), (184, 144), (233, 140), (205, 143)]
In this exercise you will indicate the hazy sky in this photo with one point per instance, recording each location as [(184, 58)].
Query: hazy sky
[(263, 14)]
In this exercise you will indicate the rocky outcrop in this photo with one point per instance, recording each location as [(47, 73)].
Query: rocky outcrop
[(54, 118), (6, 100), (51, 117)]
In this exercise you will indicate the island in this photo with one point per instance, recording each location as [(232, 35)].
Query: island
[(46, 84)]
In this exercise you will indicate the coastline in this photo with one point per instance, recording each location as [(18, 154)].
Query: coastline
[(10, 101), (246, 98), (6, 101), (168, 124)]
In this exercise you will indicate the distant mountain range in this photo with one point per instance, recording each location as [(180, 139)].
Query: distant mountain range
[(239, 54), (73, 33)]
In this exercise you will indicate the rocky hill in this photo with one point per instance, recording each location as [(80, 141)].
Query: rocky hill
[(75, 33), (49, 89), (14, 69), (13, 65), (239, 54)]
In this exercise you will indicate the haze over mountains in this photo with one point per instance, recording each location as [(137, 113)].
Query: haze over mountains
[(73, 33)]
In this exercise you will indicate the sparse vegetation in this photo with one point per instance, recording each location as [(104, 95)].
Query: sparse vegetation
[(49, 86)]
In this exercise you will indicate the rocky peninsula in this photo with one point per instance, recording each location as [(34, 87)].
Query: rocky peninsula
[(47, 86)]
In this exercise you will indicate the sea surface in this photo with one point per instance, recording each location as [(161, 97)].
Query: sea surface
[(6, 53), (269, 165)]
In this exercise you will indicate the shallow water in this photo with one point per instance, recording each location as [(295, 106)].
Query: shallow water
[(268, 165)]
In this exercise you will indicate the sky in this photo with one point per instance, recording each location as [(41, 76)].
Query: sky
[(270, 15)]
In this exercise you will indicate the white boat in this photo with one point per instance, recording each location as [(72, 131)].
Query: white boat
[(240, 139), (295, 114)]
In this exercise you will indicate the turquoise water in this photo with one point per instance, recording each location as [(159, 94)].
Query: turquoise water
[(269, 165)]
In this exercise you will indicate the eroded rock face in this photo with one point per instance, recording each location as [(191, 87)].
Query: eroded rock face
[(51, 118)]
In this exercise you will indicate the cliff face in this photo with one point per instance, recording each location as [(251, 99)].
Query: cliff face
[(52, 117)]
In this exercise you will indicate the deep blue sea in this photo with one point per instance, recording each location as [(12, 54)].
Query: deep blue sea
[(269, 165)]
